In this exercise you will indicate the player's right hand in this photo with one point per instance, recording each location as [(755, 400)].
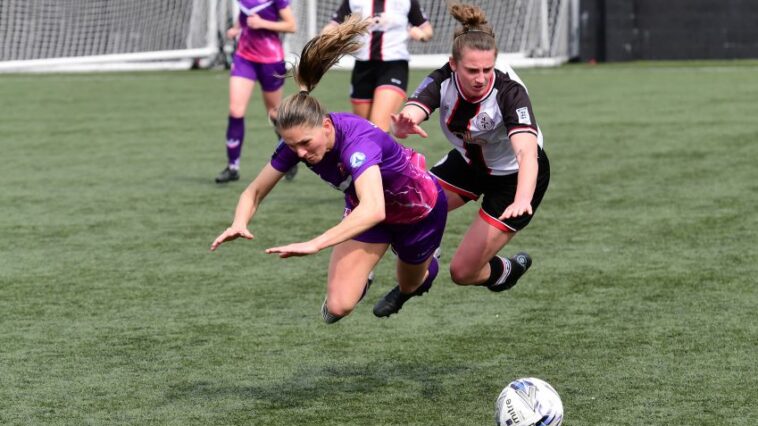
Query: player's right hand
[(231, 233), (402, 125)]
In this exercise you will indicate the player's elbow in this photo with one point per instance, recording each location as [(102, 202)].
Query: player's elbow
[(378, 214), (375, 212)]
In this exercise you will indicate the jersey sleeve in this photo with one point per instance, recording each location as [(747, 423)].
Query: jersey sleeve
[(282, 4), (428, 94), (283, 158), (342, 12), (518, 116), (361, 155), (416, 15)]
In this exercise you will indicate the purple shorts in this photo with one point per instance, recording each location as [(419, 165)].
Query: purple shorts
[(266, 74), (414, 242)]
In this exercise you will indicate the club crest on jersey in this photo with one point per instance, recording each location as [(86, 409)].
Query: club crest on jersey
[(484, 121), (523, 116), (357, 159)]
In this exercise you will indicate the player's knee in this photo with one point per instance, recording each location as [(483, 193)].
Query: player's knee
[(332, 311), (237, 111)]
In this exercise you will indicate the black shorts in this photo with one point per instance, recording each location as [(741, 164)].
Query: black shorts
[(457, 176), (370, 75)]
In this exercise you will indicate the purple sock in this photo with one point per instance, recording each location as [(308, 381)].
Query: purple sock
[(434, 268), (235, 134)]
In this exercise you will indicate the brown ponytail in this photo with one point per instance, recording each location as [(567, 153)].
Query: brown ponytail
[(318, 55)]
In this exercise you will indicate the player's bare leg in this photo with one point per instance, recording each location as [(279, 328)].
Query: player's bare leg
[(413, 280), (347, 282), (475, 262), (387, 101)]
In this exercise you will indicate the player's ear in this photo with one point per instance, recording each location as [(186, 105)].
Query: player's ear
[(453, 64), (327, 123)]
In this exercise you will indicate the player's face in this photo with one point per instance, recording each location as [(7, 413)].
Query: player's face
[(310, 143), (475, 71)]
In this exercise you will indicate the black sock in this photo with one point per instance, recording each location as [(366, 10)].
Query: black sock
[(500, 270)]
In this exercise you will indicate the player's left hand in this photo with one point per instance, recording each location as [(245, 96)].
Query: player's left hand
[(294, 249), (516, 209), (255, 22)]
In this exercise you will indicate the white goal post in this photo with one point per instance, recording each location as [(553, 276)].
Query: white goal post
[(80, 35), (530, 33), (97, 35)]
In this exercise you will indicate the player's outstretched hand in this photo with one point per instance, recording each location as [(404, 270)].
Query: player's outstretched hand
[(294, 249), (516, 209), (402, 126), (231, 233)]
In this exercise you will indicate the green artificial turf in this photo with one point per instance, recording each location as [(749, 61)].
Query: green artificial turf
[(640, 307)]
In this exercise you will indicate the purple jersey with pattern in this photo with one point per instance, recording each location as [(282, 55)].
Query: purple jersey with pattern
[(409, 191), (261, 46)]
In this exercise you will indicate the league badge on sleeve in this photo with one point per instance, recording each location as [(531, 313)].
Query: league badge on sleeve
[(357, 159), (523, 116)]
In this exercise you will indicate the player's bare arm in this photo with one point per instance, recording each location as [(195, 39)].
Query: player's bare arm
[(406, 122), (248, 203), (368, 213), (525, 147), (285, 24)]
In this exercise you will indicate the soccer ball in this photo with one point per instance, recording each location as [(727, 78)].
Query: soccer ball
[(528, 402)]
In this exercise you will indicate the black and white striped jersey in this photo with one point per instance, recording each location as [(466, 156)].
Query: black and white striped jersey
[(388, 36), (480, 128)]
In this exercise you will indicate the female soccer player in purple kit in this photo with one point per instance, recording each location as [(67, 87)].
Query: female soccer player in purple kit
[(260, 57), (389, 199)]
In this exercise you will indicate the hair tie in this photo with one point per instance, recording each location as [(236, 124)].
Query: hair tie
[(304, 92), (467, 30)]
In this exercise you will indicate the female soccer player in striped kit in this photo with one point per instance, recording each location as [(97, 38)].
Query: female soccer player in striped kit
[(260, 57), (389, 200), (380, 76), (487, 116)]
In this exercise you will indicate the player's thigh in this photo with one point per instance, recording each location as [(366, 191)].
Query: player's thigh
[(350, 264), (240, 90), (387, 101), (361, 108), (454, 200), (481, 242), (272, 100)]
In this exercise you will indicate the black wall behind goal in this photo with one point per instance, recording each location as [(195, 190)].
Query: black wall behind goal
[(623, 30)]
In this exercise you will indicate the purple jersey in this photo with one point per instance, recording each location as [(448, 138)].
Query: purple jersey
[(262, 46), (409, 191)]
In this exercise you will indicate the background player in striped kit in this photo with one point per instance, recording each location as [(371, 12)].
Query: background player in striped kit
[(380, 76), (260, 57), (497, 150), (389, 200)]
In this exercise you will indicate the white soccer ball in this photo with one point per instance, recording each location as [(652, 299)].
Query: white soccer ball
[(528, 402)]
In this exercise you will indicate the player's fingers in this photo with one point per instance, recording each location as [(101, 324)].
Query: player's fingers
[(421, 132)]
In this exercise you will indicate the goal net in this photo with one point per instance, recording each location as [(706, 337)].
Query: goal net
[(52, 35), (529, 32)]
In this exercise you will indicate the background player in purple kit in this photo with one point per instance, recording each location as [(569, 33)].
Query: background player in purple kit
[(380, 76), (389, 199), (260, 57), (497, 150)]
